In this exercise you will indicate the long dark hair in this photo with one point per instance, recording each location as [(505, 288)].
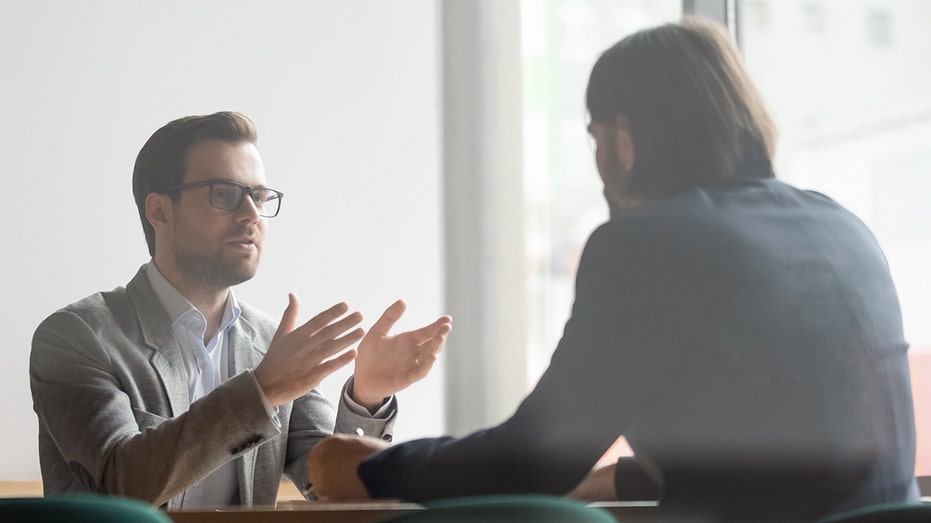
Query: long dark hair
[(695, 116)]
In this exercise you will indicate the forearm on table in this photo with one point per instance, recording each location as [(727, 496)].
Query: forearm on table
[(159, 462)]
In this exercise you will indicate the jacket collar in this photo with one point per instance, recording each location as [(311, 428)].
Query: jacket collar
[(155, 326)]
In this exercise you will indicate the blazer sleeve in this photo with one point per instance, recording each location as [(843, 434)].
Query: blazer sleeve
[(91, 433), (307, 428)]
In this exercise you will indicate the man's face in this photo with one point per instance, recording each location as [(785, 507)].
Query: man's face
[(214, 247), (604, 148), (606, 159)]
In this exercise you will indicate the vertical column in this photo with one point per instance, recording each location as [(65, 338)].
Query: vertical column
[(483, 205), (722, 11)]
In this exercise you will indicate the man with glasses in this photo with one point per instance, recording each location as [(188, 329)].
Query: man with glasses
[(173, 391)]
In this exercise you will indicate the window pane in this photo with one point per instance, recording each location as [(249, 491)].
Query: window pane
[(562, 192), (849, 84)]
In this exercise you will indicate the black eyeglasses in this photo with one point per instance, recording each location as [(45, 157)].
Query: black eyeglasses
[(228, 196)]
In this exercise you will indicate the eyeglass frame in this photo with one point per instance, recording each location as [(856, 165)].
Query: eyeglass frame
[(245, 190)]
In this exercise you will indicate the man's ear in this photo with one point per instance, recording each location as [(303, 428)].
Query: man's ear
[(158, 208), (624, 143)]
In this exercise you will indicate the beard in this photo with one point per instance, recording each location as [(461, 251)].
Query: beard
[(616, 180), (216, 270)]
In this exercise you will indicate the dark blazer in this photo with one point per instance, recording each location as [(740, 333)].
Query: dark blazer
[(110, 392), (747, 341)]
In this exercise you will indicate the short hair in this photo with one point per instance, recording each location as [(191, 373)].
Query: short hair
[(161, 162), (696, 118)]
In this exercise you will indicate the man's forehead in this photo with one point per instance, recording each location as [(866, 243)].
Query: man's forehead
[(224, 160)]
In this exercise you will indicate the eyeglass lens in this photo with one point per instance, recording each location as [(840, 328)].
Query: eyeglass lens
[(229, 196)]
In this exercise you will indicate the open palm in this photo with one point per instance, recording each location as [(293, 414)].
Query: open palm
[(389, 363)]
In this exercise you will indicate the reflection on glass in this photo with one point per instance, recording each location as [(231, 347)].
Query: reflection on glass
[(847, 81), (561, 39), (853, 103)]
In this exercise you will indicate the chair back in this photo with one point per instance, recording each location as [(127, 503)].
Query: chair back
[(885, 513), (79, 508)]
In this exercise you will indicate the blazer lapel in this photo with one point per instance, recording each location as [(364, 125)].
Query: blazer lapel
[(243, 356), (156, 332), (170, 368)]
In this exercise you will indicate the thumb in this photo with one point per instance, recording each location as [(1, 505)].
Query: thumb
[(289, 318), (391, 315)]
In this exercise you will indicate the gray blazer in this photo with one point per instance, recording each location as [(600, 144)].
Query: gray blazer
[(110, 392)]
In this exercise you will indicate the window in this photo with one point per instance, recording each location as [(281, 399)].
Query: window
[(854, 117), (755, 14), (879, 28), (813, 18), (562, 191), (846, 83)]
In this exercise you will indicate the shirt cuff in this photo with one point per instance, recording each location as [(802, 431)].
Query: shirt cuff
[(269, 408), (383, 412)]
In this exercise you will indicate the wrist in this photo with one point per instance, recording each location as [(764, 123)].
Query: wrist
[(267, 390), (371, 401)]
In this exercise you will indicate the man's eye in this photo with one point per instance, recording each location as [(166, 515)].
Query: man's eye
[(224, 194)]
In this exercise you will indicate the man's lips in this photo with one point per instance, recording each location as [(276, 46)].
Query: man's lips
[(244, 242)]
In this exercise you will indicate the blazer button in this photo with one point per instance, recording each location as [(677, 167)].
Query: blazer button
[(388, 437)]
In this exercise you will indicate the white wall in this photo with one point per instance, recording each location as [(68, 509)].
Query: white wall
[(345, 96)]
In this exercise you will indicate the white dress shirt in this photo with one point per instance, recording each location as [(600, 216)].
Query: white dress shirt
[(207, 366)]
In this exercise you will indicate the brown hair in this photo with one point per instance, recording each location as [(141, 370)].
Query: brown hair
[(160, 164), (695, 116)]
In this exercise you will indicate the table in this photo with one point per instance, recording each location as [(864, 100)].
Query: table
[(295, 511), (319, 512)]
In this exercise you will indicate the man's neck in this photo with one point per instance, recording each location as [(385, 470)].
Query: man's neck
[(211, 303), (209, 300), (619, 206)]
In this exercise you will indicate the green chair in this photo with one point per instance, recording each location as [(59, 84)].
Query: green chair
[(505, 508), (886, 512), (79, 508)]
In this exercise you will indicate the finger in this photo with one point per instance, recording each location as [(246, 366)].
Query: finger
[(333, 330), (329, 348), (322, 319), (444, 330), (334, 364), (441, 326), (432, 346), (426, 363), (289, 318), (388, 318)]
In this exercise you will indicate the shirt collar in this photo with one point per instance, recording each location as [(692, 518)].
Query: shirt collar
[(177, 306)]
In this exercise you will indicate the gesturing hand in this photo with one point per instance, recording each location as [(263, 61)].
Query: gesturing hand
[(387, 363), (299, 358)]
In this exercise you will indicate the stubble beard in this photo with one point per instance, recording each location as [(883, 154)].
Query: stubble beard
[(613, 193), (215, 271)]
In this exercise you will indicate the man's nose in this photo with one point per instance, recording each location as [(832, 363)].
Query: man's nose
[(248, 210)]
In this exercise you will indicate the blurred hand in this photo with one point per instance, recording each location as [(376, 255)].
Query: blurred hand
[(299, 358), (333, 463), (387, 363), (597, 485)]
